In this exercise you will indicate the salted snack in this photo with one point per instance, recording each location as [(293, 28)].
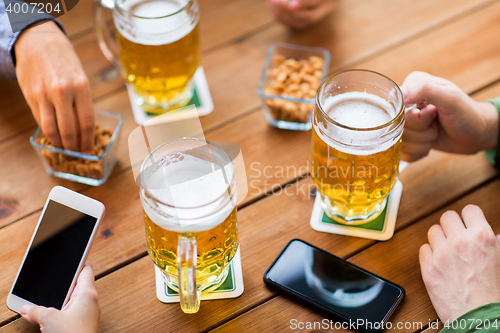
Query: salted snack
[(79, 166), (295, 79)]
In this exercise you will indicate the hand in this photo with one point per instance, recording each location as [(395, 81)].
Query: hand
[(299, 14), (461, 264), (55, 86), (446, 119), (80, 315)]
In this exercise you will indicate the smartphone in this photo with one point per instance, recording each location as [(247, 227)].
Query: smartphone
[(57, 250), (344, 291)]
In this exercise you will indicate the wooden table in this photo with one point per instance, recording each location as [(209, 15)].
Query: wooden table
[(455, 39)]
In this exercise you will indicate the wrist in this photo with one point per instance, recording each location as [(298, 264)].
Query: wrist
[(32, 33)]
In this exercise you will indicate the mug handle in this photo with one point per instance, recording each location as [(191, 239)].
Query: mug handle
[(105, 37), (189, 292)]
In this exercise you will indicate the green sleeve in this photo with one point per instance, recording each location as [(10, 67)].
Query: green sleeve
[(485, 318), (494, 155)]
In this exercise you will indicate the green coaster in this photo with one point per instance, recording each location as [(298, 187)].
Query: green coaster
[(231, 287), (377, 224), (381, 228), (195, 100), (202, 99), (227, 286)]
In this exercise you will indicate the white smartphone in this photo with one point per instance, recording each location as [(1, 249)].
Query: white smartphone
[(57, 251)]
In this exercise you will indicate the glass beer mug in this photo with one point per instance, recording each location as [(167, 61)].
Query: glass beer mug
[(188, 193), (157, 49), (358, 123)]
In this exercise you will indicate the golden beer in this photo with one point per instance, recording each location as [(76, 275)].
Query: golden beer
[(216, 248), (159, 51), (356, 145), (188, 194)]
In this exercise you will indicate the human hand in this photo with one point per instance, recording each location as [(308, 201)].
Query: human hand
[(299, 14), (80, 315), (445, 118), (55, 86), (461, 264)]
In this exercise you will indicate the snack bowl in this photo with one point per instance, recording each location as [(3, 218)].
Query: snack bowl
[(288, 85), (78, 167)]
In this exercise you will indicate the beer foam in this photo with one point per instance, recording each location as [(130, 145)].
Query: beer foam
[(153, 28), (187, 181), (358, 110)]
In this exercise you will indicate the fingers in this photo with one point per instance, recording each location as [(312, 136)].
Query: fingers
[(425, 254), (411, 157), (85, 115), (474, 219), (428, 135), (48, 123), (419, 149), (451, 223), (62, 97), (85, 282), (498, 239), (34, 314), (297, 4), (298, 14), (436, 236), (419, 120)]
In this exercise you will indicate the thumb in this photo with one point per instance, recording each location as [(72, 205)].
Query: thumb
[(423, 89), (34, 314)]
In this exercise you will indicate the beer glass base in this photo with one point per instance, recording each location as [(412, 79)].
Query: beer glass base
[(342, 215), (210, 283), (161, 107)]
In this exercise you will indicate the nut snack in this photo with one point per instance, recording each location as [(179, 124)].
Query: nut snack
[(79, 166), (91, 169), (296, 79), (288, 84)]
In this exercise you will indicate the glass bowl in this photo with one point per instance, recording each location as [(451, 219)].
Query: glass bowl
[(78, 167), (292, 108)]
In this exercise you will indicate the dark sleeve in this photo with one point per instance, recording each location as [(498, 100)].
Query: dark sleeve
[(9, 32), (485, 318)]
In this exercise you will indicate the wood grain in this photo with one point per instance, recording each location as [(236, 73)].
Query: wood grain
[(264, 228), (233, 69), (395, 260)]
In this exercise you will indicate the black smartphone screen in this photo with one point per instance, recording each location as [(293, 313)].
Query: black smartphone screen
[(54, 255), (334, 284)]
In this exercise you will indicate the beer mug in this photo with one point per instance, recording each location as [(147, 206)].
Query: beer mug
[(157, 49), (358, 123), (188, 194)]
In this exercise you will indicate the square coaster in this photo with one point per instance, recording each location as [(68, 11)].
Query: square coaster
[(381, 228), (232, 287), (202, 99)]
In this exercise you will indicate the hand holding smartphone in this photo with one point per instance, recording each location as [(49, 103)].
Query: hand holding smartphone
[(57, 250), (335, 286)]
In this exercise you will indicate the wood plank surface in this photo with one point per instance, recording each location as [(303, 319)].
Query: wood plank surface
[(264, 228), (235, 35), (214, 31), (290, 215), (243, 16), (395, 260), (226, 66)]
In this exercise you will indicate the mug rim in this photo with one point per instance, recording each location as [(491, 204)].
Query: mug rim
[(233, 178), (121, 10), (389, 123)]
